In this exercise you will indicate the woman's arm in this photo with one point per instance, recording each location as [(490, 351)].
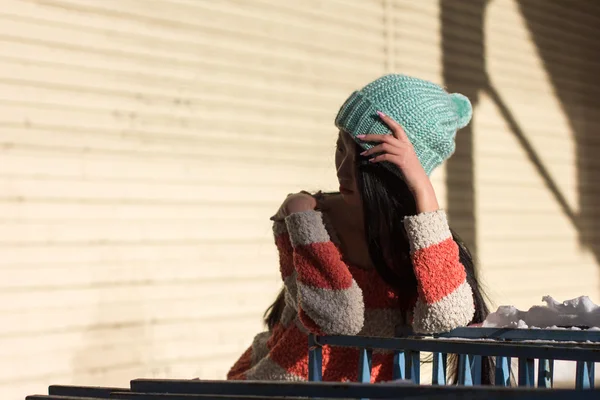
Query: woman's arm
[(445, 298), (321, 288)]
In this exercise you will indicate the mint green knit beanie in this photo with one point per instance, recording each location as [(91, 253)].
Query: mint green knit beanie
[(429, 115)]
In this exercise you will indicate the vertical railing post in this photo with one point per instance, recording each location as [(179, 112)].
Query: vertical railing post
[(315, 359), (526, 372), (364, 365), (545, 373), (464, 370), (399, 365), (476, 365), (440, 363), (585, 375), (413, 367), (407, 363), (502, 371)]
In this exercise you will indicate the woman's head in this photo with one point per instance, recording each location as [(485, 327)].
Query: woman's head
[(429, 115)]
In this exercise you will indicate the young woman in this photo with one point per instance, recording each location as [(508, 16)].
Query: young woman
[(378, 254)]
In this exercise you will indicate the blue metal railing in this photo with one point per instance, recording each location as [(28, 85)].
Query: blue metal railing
[(471, 345)]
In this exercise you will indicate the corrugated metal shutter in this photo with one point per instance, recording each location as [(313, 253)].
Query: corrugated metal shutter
[(144, 146), (535, 184), (535, 178)]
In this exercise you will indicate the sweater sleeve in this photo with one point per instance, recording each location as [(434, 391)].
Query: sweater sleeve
[(445, 298), (319, 284), (255, 353)]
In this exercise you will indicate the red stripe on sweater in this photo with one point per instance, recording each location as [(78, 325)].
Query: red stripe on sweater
[(286, 253), (291, 352), (438, 270), (276, 334), (383, 368), (336, 362), (341, 365), (320, 265), (376, 292), (237, 372)]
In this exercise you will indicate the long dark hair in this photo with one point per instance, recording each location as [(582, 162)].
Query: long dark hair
[(386, 200)]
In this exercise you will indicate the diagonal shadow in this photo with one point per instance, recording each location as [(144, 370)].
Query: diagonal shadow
[(532, 155), (570, 51), (456, 25), (460, 21)]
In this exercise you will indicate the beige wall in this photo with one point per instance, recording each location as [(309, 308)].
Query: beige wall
[(145, 143), (537, 187)]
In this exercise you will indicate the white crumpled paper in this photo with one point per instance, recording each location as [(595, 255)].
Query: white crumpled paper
[(579, 312)]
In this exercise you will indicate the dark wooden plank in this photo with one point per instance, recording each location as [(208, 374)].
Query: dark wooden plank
[(48, 397), (150, 390), (96, 392), (53, 397), (171, 396), (263, 388), (426, 394)]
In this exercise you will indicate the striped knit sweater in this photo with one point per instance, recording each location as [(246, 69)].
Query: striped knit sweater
[(324, 295)]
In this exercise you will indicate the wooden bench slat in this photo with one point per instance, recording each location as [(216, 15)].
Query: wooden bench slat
[(199, 389), (96, 392)]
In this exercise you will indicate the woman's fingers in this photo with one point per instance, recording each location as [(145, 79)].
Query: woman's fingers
[(397, 130), (377, 138), (382, 148), (385, 157), (391, 147)]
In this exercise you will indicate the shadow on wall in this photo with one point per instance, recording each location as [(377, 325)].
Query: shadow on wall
[(577, 84), (464, 72), (570, 50)]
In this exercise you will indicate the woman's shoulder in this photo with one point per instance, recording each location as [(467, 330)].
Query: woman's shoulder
[(327, 200)]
